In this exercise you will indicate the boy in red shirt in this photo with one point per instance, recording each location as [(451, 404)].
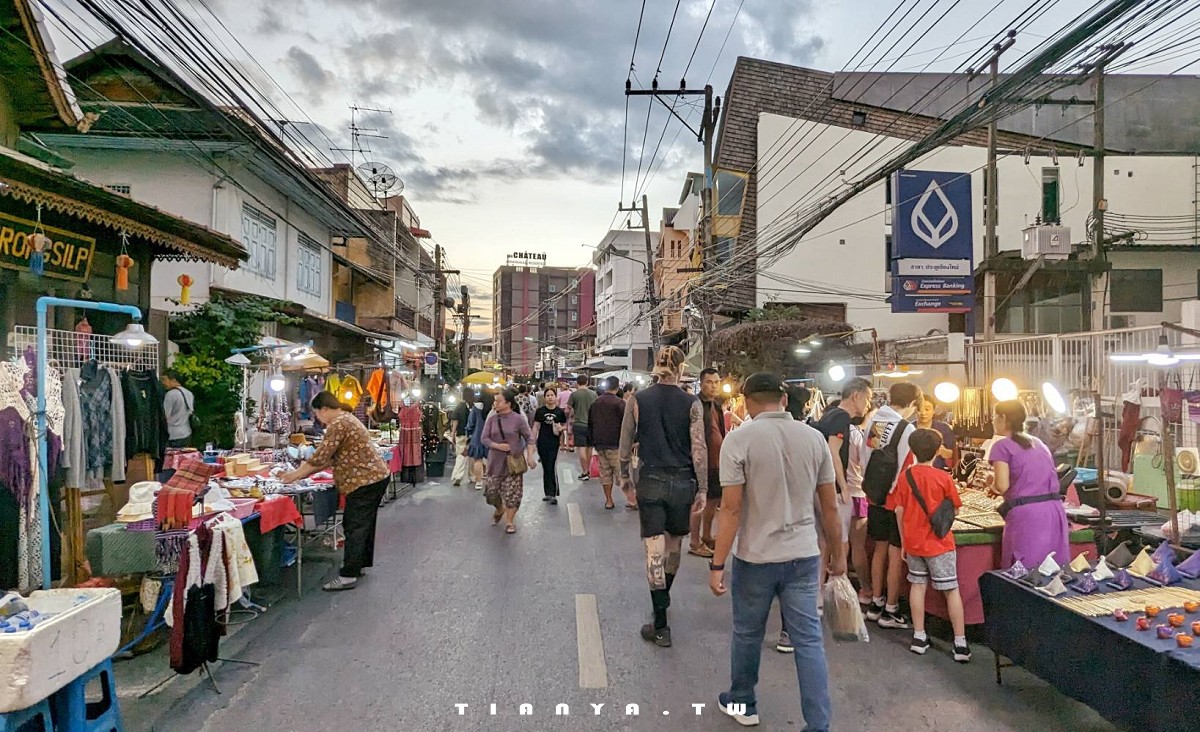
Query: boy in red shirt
[(929, 558)]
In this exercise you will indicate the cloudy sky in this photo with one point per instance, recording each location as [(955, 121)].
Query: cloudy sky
[(508, 116)]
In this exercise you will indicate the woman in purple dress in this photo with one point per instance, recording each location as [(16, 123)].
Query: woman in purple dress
[(1036, 524)]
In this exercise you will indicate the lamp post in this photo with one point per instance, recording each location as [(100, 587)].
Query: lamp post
[(134, 336)]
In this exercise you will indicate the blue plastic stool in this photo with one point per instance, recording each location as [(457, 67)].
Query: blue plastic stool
[(74, 713), (13, 721)]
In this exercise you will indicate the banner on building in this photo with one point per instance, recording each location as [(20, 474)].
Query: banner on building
[(68, 256), (932, 242)]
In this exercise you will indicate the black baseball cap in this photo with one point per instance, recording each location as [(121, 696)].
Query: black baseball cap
[(763, 383)]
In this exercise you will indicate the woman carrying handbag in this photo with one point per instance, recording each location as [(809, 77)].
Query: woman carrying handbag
[(510, 454)]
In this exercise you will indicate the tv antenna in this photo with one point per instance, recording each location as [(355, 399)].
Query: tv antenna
[(357, 133), (381, 179)]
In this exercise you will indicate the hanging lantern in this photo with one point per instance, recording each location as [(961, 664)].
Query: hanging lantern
[(38, 243), (124, 262), (185, 289)]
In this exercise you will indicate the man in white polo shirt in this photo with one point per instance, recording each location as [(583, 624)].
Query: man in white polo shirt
[(771, 469)]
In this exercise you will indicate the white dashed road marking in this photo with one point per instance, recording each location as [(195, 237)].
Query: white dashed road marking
[(575, 516), (593, 673)]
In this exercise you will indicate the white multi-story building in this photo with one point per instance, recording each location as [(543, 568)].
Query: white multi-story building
[(622, 325), (792, 137)]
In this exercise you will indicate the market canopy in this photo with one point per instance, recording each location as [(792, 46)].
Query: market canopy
[(624, 376)]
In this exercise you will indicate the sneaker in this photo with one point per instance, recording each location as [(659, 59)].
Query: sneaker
[(744, 714), (785, 643), (700, 551), (458, 482), (894, 620), (962, 653), (545, 498), (339, 583), (660, 637), (585, 476), (874, 611), (553, 501), (479, 486), (919, 645)]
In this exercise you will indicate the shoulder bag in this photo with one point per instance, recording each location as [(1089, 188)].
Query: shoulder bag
[(516, 463), (943, 518)]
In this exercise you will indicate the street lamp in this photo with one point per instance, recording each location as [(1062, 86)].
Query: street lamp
[(134, 336)]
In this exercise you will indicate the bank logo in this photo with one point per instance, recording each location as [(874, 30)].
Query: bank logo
[(935, 235)]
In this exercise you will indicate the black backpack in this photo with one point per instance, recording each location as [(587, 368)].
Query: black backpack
[(883, 466)]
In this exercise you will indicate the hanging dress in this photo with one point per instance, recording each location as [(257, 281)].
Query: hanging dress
[(411, 454)]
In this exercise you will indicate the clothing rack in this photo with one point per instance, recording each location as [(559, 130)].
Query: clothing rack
[(72, 350)]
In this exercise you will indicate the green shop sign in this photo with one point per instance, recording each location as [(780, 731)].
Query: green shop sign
[(68, 256)]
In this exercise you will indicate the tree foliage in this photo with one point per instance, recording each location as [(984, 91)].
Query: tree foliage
[(452, 370), (206, 336), (767, 344)]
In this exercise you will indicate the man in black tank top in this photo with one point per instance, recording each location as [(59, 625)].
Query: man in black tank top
[(667, 425)]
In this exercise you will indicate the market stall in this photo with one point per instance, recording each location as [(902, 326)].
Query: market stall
[(1131, 676)]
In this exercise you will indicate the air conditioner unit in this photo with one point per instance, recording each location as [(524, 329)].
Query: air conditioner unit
[(1054, 242), (1187, 459)]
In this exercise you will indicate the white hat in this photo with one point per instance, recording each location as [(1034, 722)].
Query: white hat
[(141, 502)]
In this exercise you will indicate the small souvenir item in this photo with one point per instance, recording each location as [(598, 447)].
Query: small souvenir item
[(1142, 623), (1121, 616), (1176, 620), (185, 289), (1164, 632), (1080, 563), (1121, 556), (1016, 571), (1049, 567), (1153, 611), (1191, 606), (1163, 553), (1196, 627), (1102, 571), (1184, 640), (1143, 565), (1033, 579), (37, 259), (1055, 587), (1086, 584), (1121, 580), (1190, 567), (1165, 574)]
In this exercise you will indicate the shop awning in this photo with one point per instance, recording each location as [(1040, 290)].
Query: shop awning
[(33, 182)]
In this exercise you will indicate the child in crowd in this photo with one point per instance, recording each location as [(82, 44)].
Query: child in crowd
[(929, 558)]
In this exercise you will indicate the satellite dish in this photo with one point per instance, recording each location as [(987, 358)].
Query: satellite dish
[(381, 179)]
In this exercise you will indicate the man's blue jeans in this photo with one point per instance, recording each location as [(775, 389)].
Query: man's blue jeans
[(795, 583)]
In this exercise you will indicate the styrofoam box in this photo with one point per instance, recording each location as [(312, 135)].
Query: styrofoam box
[(85, 630)]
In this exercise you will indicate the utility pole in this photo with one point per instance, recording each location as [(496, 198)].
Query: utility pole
[(651, 296), (706, 135), (464, 337), (991, 245)]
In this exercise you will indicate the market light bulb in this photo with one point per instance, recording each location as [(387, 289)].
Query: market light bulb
[(836, 372), (1004, 390), (416, 392), (802, 351), (277, 383), (348, 395), (815, 342), (450, 399), (134, 336), (727, 389), (946, 392), (1054, 398)]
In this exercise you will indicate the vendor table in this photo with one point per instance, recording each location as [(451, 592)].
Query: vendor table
[(978, 553), (1130, 677)]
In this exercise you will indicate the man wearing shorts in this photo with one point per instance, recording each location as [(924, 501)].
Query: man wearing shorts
[(668, 427), (604, 428), (580, 404), (702, 541)]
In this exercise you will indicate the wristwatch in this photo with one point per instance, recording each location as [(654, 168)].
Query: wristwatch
[(715, 567)]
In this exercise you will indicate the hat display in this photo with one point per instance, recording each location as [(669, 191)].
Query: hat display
[(141, 502), (192, 476)]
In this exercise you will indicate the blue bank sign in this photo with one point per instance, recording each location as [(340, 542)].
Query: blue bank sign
[(932, 246)]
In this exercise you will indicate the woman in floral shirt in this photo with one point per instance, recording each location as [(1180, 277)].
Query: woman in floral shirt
[(359, 474)]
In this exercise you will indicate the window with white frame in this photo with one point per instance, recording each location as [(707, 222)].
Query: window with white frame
[(258, 236), (308, 266)]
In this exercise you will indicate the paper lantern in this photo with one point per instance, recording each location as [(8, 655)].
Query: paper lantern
[(38, 243), (185, 289), (124, 262)]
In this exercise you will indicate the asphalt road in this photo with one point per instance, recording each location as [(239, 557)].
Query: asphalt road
[(458, 613)]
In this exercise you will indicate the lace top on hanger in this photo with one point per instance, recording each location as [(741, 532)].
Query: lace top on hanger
[(12, 379)]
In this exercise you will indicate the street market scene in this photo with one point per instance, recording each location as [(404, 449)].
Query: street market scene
[(606, 366)]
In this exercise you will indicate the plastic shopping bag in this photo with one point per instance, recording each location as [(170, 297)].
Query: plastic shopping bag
[(842, 613)]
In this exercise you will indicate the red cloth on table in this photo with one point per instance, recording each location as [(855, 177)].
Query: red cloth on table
[(177, 456), (278, 512)]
